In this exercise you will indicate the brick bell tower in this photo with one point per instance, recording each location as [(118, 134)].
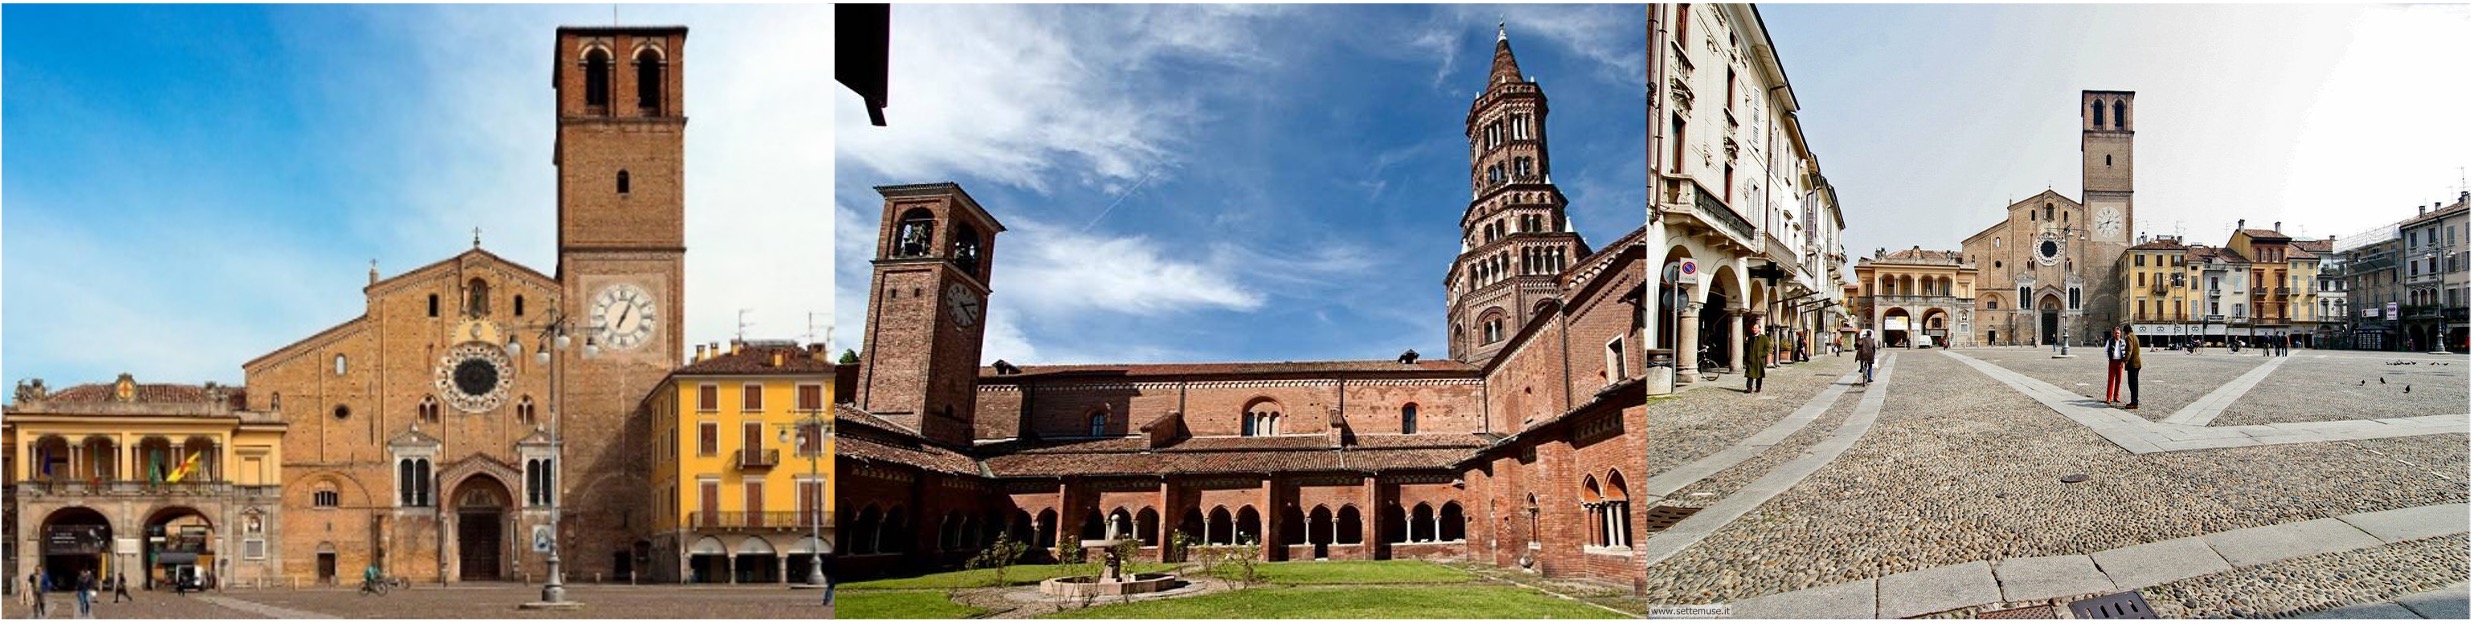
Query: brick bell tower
[(927, 310), (2105, 192), (622, 254), (1515, 237)]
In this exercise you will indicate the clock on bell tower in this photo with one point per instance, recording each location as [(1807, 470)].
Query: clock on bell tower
[(2105, 163), (928, 304)]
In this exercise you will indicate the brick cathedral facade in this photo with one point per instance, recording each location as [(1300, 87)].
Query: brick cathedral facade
[(1518, 450)]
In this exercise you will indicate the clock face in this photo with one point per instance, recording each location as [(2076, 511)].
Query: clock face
[(962, 305), (2109, 221), (2049, 251), (473, 377), (623, 316)]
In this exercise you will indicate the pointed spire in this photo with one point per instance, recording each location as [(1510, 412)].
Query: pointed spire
[(1505, 70), (1499, 27)]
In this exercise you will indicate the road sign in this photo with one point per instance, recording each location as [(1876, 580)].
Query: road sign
[(1688, 267)]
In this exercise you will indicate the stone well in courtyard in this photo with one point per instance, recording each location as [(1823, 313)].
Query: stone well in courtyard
[(1113, 581)]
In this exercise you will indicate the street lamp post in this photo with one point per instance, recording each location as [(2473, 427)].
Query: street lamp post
[(813, 449), (554, 338)]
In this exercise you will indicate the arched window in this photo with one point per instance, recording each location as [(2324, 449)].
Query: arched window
[(649, 81), (1099, 422), (429, 408), (1262, 418), (1347, 529), (912, 235), (1219, 528), (524, 409), (2049, 212), (324, 496), (1449, 525), (623, 182), (1249, 525), (597, 78), (1422, 523), (2096, 113), (1409, 418), (2118, 114), (1046, 532), (1147, 527), (967, 248), (1394, 525), (339, 364)]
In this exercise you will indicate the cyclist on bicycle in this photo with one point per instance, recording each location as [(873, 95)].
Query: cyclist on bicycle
[(370, 581)]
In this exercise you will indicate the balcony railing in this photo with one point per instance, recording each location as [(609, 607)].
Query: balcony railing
[(39, 488), (756, 458), (2157, 288), (754, 520)]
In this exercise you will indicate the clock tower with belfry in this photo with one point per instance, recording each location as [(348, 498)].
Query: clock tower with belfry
[(1515, 237), (2105, 190), (928, 309), (620, 157)]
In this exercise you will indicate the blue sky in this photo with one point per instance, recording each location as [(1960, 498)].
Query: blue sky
[(1930, 118), (1226, 183), (189, 187)]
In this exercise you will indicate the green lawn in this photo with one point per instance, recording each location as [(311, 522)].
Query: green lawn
[(1352, 572), (900, 604), (1345, 602), (982, 578)]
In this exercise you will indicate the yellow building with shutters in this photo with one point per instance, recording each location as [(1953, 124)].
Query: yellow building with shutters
[(742, 464), (101, 477)]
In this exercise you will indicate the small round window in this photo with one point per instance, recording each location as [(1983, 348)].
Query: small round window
[(342, 412)]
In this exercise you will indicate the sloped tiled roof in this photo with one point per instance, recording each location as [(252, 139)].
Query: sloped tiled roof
[(760, 360), (1386, 366), (2160, 244)]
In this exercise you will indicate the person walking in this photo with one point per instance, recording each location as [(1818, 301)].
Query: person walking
[(2113, 366), (1864, 354), (120, 588), (829, 580), (2131, 364), (1754, 362), (86, 594), (37, 584)]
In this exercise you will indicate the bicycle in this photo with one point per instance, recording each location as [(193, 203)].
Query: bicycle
[(376, 586)]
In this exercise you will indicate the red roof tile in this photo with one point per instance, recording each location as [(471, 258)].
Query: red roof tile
[(759, 359)]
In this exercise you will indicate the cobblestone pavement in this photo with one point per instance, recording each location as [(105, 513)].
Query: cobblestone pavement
[(2322, 386), (1707, 417), (500, 601), (2170, 381), (1961, 468), (2320, 582), (141, 605)]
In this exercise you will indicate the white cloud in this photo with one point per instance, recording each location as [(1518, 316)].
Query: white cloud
[(1005, 93), (1058, 272)]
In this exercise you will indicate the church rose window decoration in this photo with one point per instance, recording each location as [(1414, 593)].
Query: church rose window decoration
[(473, 377)]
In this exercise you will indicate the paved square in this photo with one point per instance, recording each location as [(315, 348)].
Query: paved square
[(463, 601), (1959, 466)]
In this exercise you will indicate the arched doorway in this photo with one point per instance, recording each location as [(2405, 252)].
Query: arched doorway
[(708, 561), (76, 539), (1715, 349), (179, 542), (1937, 327), (756, 562), (2049, 320), (1896, 327), (481, 528)]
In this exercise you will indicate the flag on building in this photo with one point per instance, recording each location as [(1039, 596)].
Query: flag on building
[(186, 466)]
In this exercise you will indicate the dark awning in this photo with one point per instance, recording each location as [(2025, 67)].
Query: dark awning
[(175, 558)]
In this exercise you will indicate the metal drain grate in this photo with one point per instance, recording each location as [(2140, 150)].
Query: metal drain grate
[(2123, 605), (2033, 611), (1665, 516)]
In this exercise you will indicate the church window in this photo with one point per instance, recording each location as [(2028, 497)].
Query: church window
[(2023, 296), (339, 363), (524, 409), (1409, 418), (649, 81), (2049, 212), (428, 409), (325, 496), (623, 182), (1997, 263), (2118, 114), (343, 412), (1262, 418), (2075, 298), (597, 78), (519, 305), (912, 234), (2096, 112), (1099, 423), (433, 305), (2109, 161), (412, 483), (1615, 360)]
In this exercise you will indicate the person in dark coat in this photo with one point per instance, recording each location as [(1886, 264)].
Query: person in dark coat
[(38, 584), (86, 593), (2131, 365), (1754, 359), (120, 588), (1865, 349)]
